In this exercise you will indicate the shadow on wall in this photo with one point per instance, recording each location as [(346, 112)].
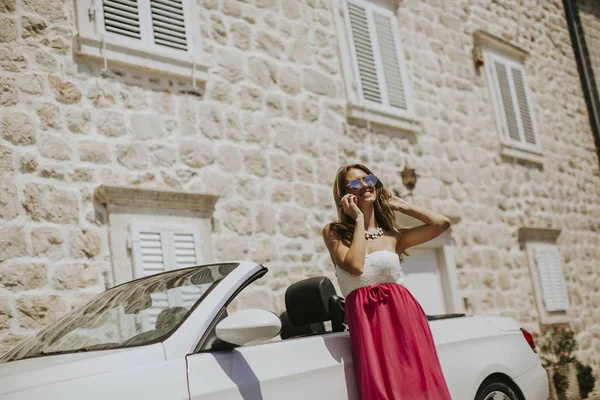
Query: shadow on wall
[(589, 6), (109, 83)]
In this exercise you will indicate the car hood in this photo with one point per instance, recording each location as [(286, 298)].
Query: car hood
[(19, 375)]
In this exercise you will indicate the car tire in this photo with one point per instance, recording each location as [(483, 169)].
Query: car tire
[(500, 389)]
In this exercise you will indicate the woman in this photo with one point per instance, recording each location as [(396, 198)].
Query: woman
[(394, 354)]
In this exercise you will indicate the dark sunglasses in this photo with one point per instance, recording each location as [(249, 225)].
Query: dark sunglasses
[(356, 184)]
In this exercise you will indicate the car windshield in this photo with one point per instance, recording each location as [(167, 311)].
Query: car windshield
[(136, 313)]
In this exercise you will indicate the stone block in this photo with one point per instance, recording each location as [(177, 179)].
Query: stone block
[(64, 91), (231, 65), (18, 128), (196, 154), (95, 152), (32, 26), (55, 148), (270, 44), (35, 312), (241, 35), (290, 80), (255, 162), (232, 8), (53, 9), (146, 126), (8, 200), (112, 124), (237, 217), (79, 120), (318, 83), (266, 220), (47, 242), (45, 202), (262, 72), (163, 156), (229, 158), (250, 98), (5, 313), (9, 94), (8, 29), (12, 242), (285, 136), (75, 276), (85, 243), (8, 6), (50, 116), (133, 156), (292, 222), (30, 83), (282, 167), (11, 59), (6, 161), (21, 277)]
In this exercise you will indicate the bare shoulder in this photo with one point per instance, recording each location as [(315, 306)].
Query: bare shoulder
[(328, 234)]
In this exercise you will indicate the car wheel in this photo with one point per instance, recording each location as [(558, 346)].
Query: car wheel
[(496, 391)]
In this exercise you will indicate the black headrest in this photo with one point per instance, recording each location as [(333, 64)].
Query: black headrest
[(307, 301), (289, 330)]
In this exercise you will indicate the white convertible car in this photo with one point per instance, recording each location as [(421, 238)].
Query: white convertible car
[(170, 336)]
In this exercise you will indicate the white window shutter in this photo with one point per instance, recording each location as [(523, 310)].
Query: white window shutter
[(187, 252), (377, 55), (157, 24), (389, 51), (364, 58), (551, 277), (506, 101), (527, 126), (122, 17), (513, 100), (168, 23), (150, 250), (161, 248), (150, 256)]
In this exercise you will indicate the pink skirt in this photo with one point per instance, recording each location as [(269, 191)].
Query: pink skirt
[(393, 352)]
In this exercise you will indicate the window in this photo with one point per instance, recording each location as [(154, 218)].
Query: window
[(374, 69), (157, 249), (547, 274), (152, 231), (152, 34), (160, 248), (511, 98), (547, 260)]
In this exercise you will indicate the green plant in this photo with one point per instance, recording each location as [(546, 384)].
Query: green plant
[(560, 382), (586, 379), (557, 345)]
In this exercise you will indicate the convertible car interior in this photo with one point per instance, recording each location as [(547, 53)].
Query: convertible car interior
[(312, 305)]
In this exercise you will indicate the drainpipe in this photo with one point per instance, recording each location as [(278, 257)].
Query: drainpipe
[(584, 66)]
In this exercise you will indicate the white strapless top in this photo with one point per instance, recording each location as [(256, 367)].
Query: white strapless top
[(382, 266)]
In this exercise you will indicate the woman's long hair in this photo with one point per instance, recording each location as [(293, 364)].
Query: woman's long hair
[(343, 228)]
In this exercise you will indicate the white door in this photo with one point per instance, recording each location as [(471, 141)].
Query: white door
[(314, 367), (422, 277)]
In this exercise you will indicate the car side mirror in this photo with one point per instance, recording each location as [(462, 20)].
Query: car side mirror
[(248, 327)]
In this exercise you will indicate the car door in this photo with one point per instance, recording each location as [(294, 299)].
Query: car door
[(313, 367)]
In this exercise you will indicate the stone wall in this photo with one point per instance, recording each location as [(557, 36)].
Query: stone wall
[(268, 135)]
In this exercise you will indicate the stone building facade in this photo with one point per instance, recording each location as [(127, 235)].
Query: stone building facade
[(249, 146)]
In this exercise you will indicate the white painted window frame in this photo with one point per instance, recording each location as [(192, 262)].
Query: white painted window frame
[(510, 147), (93, 41), (365, 110)]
